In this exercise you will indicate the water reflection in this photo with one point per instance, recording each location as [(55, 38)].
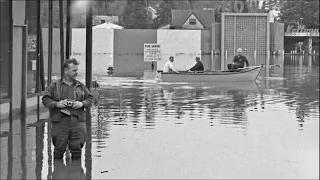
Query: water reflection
[(142, 128), (71, 170)]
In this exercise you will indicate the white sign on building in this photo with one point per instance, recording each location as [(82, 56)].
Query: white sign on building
[(152, 52)]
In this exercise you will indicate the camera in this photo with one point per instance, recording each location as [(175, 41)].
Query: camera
[(69, 103)]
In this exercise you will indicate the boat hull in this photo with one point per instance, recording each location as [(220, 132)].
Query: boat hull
[(247, 74)]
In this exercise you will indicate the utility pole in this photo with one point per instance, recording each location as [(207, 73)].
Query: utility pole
[(89, 44)]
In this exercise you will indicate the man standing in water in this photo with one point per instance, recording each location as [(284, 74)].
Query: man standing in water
[(66, 99)]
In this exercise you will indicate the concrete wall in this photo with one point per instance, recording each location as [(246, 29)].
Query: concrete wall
[(19, 11), (5, 49), (102, 49), (17, 66), (55, 50), (277, 37), (206, 48), (184, 45), (216, 37), (128, 50)]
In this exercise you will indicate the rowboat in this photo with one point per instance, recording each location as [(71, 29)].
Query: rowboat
[(239, 75)]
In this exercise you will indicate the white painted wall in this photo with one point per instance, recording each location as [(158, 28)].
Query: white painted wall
[(184, 45), (102, 49)]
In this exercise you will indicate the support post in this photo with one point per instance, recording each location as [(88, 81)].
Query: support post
[(89, 44), (24, 71), (310, 45), (61, 36), (68, 30), (50, 34), (38, 48)]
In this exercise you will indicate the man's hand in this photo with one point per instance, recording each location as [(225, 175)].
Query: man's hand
[(62, 104), (77, 105)]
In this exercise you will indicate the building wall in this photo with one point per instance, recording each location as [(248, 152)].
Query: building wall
[(129, 49), (277, 37), (17, 66), (5, 48), (216, 37), (19, 11), (55, 50), (248, 31), (184, 45), (102, 49), (206, 48)]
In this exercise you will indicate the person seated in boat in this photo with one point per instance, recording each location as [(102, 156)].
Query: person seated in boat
[(198, 66), (168, 67), (238, 60)]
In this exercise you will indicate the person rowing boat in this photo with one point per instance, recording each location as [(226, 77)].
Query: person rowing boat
[(198, 66)]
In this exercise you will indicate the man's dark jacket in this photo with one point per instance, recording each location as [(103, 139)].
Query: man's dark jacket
[(53, 95), (240, 60), (197, 67)]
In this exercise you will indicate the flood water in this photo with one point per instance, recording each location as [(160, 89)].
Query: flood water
[(142, 128)]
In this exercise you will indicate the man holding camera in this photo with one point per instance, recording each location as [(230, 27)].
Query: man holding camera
[(66, 99)]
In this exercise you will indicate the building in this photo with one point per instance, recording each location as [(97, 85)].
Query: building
[(192, 19)]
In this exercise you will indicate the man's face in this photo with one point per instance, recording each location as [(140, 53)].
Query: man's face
[(239, 52), (72, 71), (171, 59)]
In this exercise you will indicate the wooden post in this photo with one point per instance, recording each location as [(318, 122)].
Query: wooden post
[(68, 30), (61, 36), (38, 48), (24, 70), (89, 45), (50, 34)]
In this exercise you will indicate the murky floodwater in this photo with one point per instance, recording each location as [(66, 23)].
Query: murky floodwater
[(145, 129)]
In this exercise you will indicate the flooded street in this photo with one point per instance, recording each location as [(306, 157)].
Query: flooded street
[(142, 128)]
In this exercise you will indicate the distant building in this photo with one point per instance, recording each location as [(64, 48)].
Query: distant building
[(107, 26), (192, 19), (80, 21)]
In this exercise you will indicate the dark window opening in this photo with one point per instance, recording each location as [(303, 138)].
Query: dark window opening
[(192, 21)]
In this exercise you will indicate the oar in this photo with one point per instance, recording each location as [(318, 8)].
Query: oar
[(186, 68), (276, 65)]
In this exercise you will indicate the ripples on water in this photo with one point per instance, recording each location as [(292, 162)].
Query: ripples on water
[(142, 128)]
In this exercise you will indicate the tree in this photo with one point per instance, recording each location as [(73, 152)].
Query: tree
[(164, 13), (292, 11), (101, 7), (135, 15)]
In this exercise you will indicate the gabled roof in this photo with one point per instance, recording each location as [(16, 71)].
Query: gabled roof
[(195, 16), (107, 26), (179, 17)]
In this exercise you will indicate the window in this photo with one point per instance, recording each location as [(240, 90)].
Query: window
[(192, 21), (103, 21)]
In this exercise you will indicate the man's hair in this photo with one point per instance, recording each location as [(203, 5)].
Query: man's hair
[(67, 62), (197, 58)]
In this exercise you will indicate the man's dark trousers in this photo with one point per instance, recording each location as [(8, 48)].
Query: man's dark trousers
[(69, 131)]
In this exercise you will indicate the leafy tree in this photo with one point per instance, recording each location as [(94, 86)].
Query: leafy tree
[(135, 15), (164, 13), (292, 11), (101, 7)]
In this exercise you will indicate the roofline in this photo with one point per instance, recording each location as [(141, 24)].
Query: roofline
[(195, 16)]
